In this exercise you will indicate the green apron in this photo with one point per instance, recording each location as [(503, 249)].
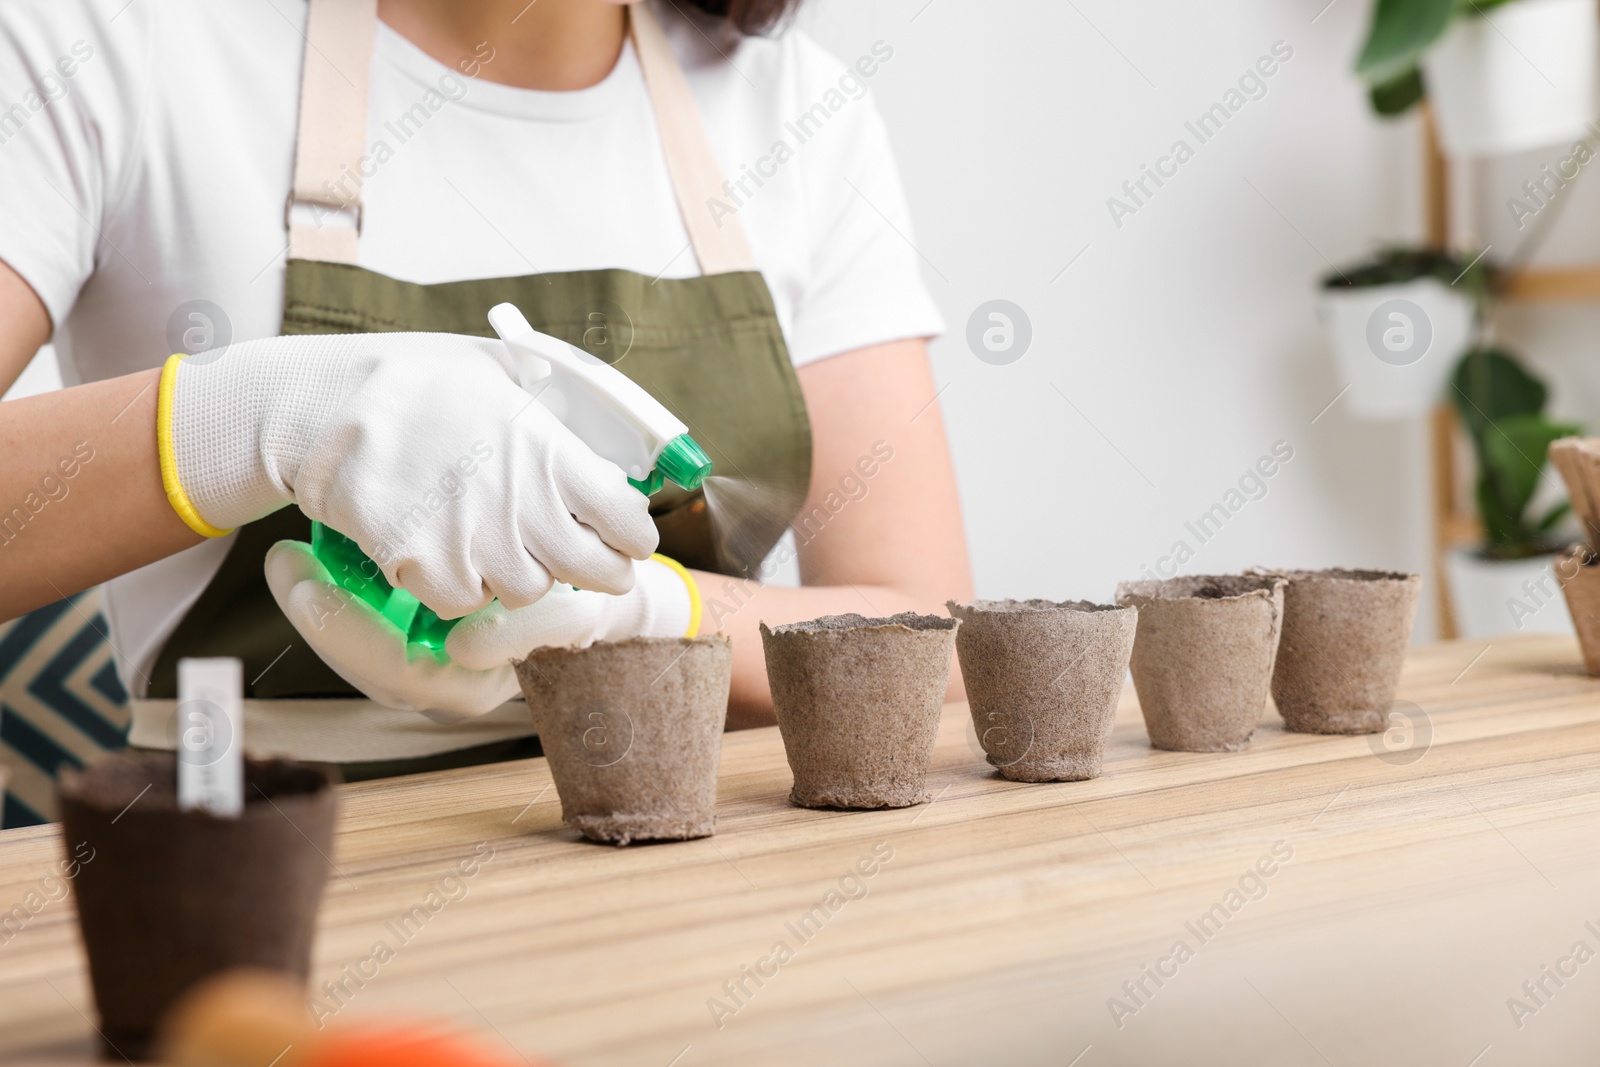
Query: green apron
[(708, 347)]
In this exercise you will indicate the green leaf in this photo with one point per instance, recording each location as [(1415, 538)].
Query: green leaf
[(1553, 516), (1401, 31), (1473, 276), (1488, 385), (1513, 454), (1398, 95), (1501, 534), (1500, 403)]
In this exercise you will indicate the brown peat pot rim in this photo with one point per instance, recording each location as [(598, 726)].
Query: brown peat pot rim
[(152, 777), (1201, 587), (1338, 574), (907, 620), (563, 651), (1086, 607), (1582, 554)]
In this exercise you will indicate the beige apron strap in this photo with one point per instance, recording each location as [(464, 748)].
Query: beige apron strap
[(324, 209), (719, 243)]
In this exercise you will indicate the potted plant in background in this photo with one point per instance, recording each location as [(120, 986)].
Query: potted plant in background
[(1397, 323), (1506, 584), (1503, 75)]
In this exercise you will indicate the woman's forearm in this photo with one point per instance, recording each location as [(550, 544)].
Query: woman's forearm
[(80, 491)]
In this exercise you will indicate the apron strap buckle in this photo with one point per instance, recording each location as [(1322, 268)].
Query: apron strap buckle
[(322, 229)]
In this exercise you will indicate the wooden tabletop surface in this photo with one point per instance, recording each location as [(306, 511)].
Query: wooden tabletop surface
[(1315, 900)]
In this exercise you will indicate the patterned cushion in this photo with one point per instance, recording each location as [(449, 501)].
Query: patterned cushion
[(60, 702)]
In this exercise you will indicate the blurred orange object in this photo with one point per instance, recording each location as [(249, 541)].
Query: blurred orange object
[(396, 1048), (237, 1018), (248, 1018)]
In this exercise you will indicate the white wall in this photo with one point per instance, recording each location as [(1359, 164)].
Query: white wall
[(40, 376), (1185, 340)]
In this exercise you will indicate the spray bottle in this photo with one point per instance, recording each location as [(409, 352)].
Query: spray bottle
[(607, 411)]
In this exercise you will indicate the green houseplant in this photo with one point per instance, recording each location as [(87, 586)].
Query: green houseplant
[(1401, 32), (1506, 584), (1399, 264), (1502, 407), (1502, 76)]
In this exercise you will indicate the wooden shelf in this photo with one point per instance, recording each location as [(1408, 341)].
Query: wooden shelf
[(1556, 283), (1457, 530)]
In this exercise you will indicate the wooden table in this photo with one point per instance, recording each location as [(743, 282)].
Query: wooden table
[(1414, 887)]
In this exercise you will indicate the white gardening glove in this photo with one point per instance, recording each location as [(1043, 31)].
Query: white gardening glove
[(664, 602), (370, 652), (422, 448)]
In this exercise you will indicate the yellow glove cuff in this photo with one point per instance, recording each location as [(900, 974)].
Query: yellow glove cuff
[(695, 605), (169, 463)]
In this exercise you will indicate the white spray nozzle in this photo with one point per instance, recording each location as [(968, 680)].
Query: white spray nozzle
[(605, 408), (511, 326)]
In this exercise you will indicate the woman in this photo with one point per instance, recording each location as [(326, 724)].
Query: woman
[(716, 213)]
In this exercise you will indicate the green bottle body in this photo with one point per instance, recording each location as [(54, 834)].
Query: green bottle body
[(355, 572), (682, 462)]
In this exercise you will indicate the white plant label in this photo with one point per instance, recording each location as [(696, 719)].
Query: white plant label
[(210, 736)]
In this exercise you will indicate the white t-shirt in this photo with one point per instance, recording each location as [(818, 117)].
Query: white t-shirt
[(146, 151)]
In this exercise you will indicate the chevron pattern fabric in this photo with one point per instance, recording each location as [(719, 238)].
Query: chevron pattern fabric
[(61, 703)]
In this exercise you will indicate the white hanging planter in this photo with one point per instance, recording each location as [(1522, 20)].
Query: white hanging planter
[(1520, 77), (1395, 345), (1497, 597)]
